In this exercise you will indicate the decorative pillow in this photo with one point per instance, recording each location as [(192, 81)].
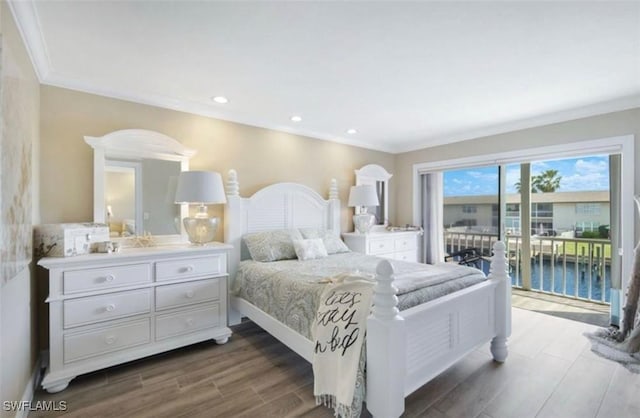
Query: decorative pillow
[(270, 245), (331, 240), (308, 249)]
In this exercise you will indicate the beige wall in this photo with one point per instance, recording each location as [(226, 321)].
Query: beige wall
[(19, 118), (260, 156), (596, 127)]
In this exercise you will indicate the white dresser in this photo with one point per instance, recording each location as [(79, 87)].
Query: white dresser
[(400, 245), (106, 309)]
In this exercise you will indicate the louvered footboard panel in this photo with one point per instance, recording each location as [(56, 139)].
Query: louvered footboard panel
[(442, 331)]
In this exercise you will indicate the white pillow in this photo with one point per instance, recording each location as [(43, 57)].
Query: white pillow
[(309, 249), (331, 240)]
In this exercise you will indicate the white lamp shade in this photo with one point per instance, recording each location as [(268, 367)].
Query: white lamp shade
[(363, 195), (200, 187)]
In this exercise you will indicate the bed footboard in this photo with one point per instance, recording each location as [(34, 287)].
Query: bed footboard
[(406, 350)]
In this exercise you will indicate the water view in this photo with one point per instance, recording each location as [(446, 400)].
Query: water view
[(565, 207)]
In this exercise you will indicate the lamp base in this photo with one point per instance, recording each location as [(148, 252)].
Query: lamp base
[(200, 230), (363, 222)]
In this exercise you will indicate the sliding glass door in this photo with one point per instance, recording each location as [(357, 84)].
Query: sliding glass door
[(553, 215)]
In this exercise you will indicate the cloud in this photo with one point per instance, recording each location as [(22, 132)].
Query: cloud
[(591, 166), (586, 181)]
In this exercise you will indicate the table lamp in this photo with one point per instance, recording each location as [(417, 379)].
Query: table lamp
[(201, 188), (362, 196)]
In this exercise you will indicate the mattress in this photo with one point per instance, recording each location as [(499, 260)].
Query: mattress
[(289, 290)]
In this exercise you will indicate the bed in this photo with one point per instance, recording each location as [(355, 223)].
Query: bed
[(405, 348)]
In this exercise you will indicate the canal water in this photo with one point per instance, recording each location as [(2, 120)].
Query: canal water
[(575, 279)]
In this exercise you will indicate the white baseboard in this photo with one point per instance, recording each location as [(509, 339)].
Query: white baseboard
[(30, 389)]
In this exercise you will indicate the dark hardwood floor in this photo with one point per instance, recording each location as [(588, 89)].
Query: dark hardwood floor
[(550, 372)]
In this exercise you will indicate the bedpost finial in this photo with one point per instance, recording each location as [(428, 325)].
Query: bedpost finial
[(333, 189), (499, 264), (232, 186), (385, 301), (385, 268)]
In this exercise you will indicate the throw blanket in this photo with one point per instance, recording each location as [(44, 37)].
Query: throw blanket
[(339, 331), (623, 346)]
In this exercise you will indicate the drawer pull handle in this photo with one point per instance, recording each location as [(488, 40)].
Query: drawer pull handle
[(110, 307), (189, 294), (189, 322), (110, 339), (109, 278), (187, 269)]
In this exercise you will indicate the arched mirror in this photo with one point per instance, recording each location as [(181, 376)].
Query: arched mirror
[(377, 176), (134, 180)]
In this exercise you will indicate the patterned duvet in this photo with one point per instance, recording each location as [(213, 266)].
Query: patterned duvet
[(289, 290)]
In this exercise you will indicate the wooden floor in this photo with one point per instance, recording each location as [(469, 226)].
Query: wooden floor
[(550, 372)]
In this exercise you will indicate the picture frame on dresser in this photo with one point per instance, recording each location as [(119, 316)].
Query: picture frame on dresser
[(108, 309)]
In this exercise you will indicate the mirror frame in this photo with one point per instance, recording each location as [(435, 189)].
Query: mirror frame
[(370, 174), (135, 144)]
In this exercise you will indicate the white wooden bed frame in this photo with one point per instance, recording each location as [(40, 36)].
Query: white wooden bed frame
[(404, 349)]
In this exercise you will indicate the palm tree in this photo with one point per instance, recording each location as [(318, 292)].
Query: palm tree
[(546, 182)]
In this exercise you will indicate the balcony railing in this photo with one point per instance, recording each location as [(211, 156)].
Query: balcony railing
[(574, 267)]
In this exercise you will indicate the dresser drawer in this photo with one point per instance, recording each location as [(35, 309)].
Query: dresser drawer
[(105, 340), (191, 267), (88, 280), (410, 255), (93, 309), (405, 243), (380, 246), (174, 295), (187, 321)]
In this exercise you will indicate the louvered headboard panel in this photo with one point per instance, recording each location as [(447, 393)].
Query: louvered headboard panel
[(279, 206)]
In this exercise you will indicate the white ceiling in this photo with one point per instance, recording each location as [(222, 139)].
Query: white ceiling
[(405, 75)]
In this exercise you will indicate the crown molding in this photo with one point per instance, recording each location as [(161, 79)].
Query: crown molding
[(616, 105), (26, 17), (199, 109), (610, 106)]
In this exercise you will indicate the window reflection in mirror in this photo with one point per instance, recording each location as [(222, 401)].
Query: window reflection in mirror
[(377, 176), (139, 197), (378, 211)]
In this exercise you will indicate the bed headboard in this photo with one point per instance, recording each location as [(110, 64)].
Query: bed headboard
[(278, 206)]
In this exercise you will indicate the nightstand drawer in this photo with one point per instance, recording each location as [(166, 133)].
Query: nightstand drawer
[(404, 244), (188, 321), (191, 267), (88, 280), (380, 246), (105, 340), (174, 295), (93, 309), (410, 255)]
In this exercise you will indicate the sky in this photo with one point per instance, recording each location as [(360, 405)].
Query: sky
[(577, 174)]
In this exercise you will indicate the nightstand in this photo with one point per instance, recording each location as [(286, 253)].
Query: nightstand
[(400, 245), (107, 309)]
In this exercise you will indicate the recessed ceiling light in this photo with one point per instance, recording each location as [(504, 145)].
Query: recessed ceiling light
[(296, 118), (220, 99), (352, 131)]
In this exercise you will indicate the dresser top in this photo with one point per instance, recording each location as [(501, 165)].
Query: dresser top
[(135, 253), (379, 234)]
